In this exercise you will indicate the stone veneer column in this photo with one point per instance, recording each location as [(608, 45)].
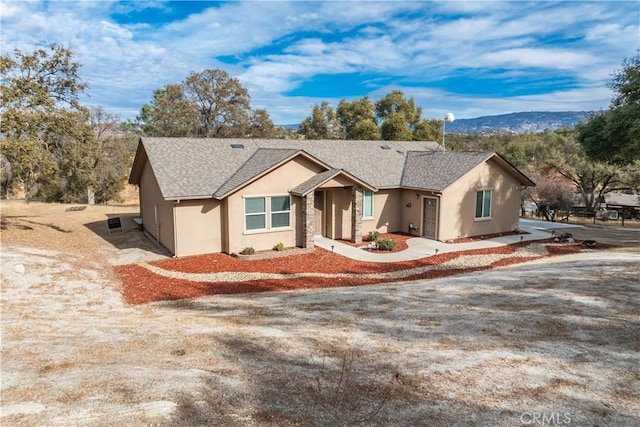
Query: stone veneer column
[(308, 213), (356, 214)]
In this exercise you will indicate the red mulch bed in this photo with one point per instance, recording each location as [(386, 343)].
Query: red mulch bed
[(141, 286), (399, 238)]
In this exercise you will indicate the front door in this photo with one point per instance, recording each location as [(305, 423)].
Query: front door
[(318, 214), (430, 220)]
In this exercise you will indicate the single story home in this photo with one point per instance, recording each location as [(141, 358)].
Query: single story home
[(626, 205), (611, 205), (223, 195)]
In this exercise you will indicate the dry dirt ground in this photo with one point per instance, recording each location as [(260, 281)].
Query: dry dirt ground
[(554, 341)]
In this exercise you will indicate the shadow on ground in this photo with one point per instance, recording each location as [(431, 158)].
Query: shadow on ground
[(127, 237), (488, 351), (627, 237)]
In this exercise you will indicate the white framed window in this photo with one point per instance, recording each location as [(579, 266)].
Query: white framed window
[(367, 204), (267, 212), (255, 213), (483, 204), (280, 211)]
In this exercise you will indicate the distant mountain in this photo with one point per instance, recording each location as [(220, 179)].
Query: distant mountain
[(291, 126), (531, 121)]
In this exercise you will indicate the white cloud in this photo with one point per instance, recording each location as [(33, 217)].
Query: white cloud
[(604, 31), (111, 29), (280, 45), (543, 58), (9, 10)]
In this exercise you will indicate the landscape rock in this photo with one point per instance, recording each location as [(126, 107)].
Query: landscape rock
[(19, 268)]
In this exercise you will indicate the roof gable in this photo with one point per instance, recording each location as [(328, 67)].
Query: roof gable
[(262, 160), (514, 171), (138, 164), (436, 171), (323, 177)]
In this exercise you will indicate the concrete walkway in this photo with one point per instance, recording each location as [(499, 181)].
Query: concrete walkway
[(420, 247)]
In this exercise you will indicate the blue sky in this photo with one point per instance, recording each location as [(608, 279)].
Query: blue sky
[(471, 58)]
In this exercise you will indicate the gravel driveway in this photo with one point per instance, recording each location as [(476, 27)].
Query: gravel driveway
[(555, 339), (626, 237)]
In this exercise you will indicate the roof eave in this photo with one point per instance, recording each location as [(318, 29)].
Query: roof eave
[(526, 181), (412, 188), (136, 167), (179, 198)]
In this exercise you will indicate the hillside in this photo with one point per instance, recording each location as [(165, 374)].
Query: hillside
[(531, 121)]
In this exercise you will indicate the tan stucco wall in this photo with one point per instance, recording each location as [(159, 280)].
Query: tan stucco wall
[(276, 183), (200, 227), (413, 214), (387, 213), (458, 203), (338, 216), (213, 226), (150, 196)]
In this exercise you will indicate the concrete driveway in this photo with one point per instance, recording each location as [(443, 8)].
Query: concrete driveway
[(611, 235), (538, 230), (420, 247)]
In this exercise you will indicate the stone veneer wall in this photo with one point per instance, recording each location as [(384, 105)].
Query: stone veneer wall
[(308, 212), (356, 214)]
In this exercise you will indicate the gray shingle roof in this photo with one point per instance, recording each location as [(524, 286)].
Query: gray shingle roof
[(192, 167), (366, 160), (621, 199), (611, 199), (437, 170), (195, 167)]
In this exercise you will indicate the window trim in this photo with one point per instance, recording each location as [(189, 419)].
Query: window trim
[(364, 216), (264, 213), (271, 212), (482, 216), (267, 213)]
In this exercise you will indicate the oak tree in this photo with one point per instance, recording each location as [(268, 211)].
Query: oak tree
[(321, 124), (357, 119), (613, 136), (207, 104), (44, 131), (398, 116)]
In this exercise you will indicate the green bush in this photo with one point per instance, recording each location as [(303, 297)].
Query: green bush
[(373, 236), (386, 244), (279, 247), (248, 251)]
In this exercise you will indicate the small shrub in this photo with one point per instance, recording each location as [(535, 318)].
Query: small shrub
[(386, 244), (279, 247), (248, 251), (373, 236), (347, 388)]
